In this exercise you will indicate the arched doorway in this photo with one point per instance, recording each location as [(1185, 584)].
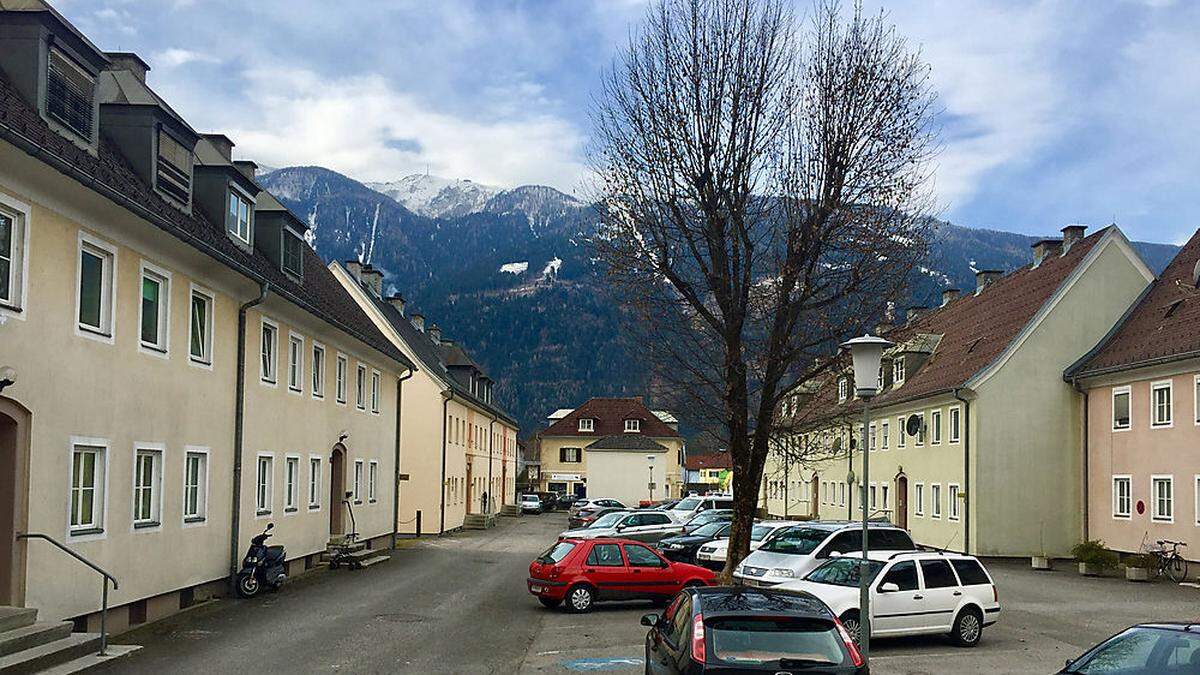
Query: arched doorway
[(471, 505), (337, 488), (902, 501), (14, 499), (814, 496)]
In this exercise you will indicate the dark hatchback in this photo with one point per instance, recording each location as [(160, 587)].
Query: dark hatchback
[(1145, 649), (733, 629), (683, 547), (586, 516)]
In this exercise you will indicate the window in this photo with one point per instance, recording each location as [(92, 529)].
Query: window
[(200, 336), (1196, 401), (147, 487), (842, 495), (901, 433), (570, 455), (921, 430), (291, 483), (938, 574), (318, 371), (587, 424), (263, 486), (640, 556), (1122, 497), (240, 218), (375, 391), (843, 389), (1160, 404), (173, 176), (358, 481), (883, 435), (96, 270), (935, 501), (1162, 490), (883, 496), (633, 426), (952, 498), (314, 482), (295, 362), (955, 424), (195, 486), (605, 555), (918, 499), (872, 491), (87, 487), (935, 423), (898, 371), (360, 388), (70, 93), (903, 574), (372, 481), (339, 379), (269, 362), (970, 572), (12, 258), (293, 254), (871, 437), (1121, 419), (154, 310)]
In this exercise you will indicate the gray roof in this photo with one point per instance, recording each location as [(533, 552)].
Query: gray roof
[(627, 442)]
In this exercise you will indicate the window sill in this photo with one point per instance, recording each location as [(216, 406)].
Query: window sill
[(359, 502), (293, 509), (269, 383), (267, 512), (317, 507), (10, 307), (86, 531), (152, 348), (146, 524), (200, 362), (372, 501), (83, 328), (200, 519)]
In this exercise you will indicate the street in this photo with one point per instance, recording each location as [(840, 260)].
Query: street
[(459, 604)]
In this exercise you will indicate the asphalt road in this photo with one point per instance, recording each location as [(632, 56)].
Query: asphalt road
[(459, 604)]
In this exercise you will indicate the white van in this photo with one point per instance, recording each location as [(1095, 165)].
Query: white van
[(690, 506)]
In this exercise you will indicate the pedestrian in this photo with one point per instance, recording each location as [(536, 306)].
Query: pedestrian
[(485, 501)]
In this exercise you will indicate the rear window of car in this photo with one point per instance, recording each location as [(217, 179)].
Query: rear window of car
[(556, 552), (688, 504), (890, 540), (757, 640), (938, 574), (970, 572), (796, 541)]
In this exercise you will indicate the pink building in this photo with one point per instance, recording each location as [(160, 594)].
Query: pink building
[(1142, 392)]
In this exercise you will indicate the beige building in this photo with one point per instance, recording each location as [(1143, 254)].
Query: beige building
[(974, 436), (178, 349), (605, 444), (451, 426)]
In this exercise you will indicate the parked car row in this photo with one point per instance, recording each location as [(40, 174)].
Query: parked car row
[(542, 502)]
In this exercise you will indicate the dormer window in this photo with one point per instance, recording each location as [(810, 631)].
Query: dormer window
[(70, 95), (239, 218), (173, 174), (898, 371), (587, 424), (843, 389), (293, 254), (633, 426)]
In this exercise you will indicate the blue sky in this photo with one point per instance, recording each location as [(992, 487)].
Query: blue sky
[(1054, 112)]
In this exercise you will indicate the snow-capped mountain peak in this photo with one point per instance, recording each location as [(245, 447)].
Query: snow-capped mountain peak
[(437, 197)]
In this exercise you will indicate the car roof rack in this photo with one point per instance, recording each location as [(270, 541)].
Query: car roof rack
[(938, 551)]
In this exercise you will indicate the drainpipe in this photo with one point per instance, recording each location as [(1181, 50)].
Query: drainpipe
[(491, 442), (238, 432), (1086, 468), (396, 467), (966, 434), (447, 396)]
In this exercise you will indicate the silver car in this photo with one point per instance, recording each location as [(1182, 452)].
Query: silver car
[(648, 526)]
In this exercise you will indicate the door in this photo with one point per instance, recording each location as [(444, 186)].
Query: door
[(606, 570), (472, 507), (15, 423), (814, 497), (902, 501), (898, 611), (337, 488), (649, 575), (941, 595)]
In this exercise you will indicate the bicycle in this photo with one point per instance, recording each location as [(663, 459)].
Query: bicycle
[(1168, 561)]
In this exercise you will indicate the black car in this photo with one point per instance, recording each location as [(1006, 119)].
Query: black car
[(1144, 649), (566, 500), (683, 547), (735, 629), (549, 500), (709, 516)]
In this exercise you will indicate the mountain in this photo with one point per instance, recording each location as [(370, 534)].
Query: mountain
[(504, 272)]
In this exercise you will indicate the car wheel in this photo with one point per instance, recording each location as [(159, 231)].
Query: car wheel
[(580, 599), (853, 627), (968, 628), (549, 602)]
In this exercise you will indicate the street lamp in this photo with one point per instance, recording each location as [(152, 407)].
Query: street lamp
[(650, 459), (866, 352)]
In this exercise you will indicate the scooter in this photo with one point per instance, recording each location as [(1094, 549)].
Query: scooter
[(342, 553), (263, 565)]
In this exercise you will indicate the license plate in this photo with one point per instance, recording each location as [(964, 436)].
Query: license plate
[(536, 589)]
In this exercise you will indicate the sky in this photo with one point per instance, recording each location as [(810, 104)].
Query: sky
[(1052, 112)]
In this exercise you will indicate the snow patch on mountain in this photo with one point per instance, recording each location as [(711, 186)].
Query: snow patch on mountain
[(437, 197), (515, 268), (552, 267)]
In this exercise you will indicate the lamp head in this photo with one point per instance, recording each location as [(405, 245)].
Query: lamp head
[(867, 353)]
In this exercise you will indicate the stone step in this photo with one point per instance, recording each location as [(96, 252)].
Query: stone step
[(16, 617), (90, 661), (513, 510), (33, 635), (356, 546), (373, 561), (39, 658)]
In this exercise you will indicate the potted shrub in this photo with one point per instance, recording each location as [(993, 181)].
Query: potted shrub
[(1137, 567), (1093, 558)]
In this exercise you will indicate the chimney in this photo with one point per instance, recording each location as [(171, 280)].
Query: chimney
[(435, 333), (373, 279), (418, 322), (222, 143), (949, 295), (130, 62), (913, 313), (1071, 234), (248, 168), (396, 301), (883, 327), (985, 277), (1045, 248), (354, 267)]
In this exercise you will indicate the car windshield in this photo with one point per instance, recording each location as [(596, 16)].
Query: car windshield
[(843, 571), (788, 642), (1141, 651), (688, 504), (556, 552), (711, 530), (796, 541), (608, 519)]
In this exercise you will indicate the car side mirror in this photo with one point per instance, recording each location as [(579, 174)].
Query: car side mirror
[(889, 588), (650, 620)]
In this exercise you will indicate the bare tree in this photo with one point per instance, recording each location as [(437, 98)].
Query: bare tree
[(763, 192)]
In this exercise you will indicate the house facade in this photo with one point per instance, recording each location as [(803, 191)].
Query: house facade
[(1141, 400), (957, 455), (708, 471), (454, 437), (591, 448), (186, 368)]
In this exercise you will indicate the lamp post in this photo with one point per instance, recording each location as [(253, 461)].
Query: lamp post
[(650, 459), (866, 352)]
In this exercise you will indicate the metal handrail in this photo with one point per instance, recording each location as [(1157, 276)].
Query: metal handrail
[(104, 582)]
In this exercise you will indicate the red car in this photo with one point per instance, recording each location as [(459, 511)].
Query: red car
[(586, 571)]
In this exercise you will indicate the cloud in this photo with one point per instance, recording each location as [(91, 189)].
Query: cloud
[(175, 57)]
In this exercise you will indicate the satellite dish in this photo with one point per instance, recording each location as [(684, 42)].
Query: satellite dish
[(913, 425)]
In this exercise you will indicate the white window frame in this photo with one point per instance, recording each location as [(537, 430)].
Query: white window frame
[(1196, 400), (1155, 516), (1127, 480), (291, 484), (97, 528), (883, 497), (952, 501), (315, 486), (1128, 392), (264, 497), (206, 340), (935, 501), (842, 495), (341, 372), (872, 501), (954, 424), (236, 231), (901, 433), (376, 380), (920, 440), (270, 379), (1169, 387), (885, 433), (919, 500), (1196, 504), (935, 424), (157, 453), (360, 386), (357, 479), (897, 371), (107, 331), (633, 426), (162, 348), (295, 363), (17, 304), (318, 370), (843, 385), (373, 481), (587, 424), (200, 517), (871, 442)]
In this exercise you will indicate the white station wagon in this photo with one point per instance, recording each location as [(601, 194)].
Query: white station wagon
[(795, 551), (915, 593)]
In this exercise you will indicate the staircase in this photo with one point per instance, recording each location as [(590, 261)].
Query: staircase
[(31, 646), (360, 556), (479, 521), (512, 510)]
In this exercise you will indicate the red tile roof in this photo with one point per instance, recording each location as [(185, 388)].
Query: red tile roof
[(610, 415), (1163, 326), (709, 460)]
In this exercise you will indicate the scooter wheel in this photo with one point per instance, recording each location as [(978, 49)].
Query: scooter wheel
[(248, 586)]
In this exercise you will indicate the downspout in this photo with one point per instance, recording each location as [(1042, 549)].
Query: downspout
[(238, 423), (491, 488), (396, 467), (966, 432), (445, 409), (1086, 477)]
